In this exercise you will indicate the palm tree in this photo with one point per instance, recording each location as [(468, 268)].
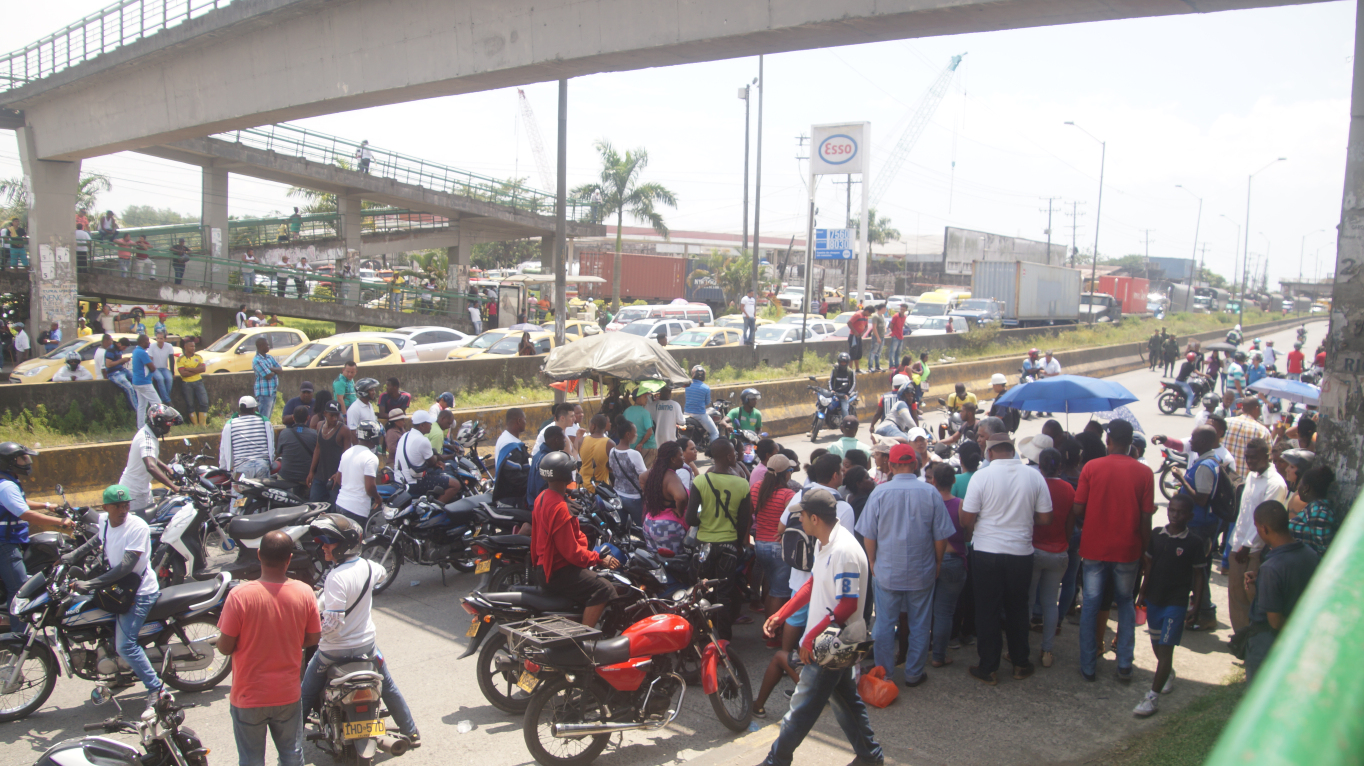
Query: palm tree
[(880, 232), (14, 194), (619, 191)]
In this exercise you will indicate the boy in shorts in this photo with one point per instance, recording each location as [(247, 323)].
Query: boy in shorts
[(1171, 570)]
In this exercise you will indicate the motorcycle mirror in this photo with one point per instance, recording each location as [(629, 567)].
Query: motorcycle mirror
[(187, 441), (59, 491), (101, 694), (814, 378)]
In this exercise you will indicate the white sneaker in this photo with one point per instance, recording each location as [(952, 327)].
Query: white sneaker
[(1169, 683), (1147, 706)]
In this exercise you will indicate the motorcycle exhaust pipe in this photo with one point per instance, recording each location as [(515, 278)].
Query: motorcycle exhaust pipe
[(393, 745), (589, 729)]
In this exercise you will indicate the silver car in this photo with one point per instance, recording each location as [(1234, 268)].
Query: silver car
[(430, 343)]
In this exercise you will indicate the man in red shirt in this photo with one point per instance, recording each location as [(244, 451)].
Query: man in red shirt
[(897, 336), (558, 548), (1121, 491), (265, 626), (857, 327), (1295, 359)]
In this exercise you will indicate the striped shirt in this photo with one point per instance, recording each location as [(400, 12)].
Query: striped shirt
[(246, 437)]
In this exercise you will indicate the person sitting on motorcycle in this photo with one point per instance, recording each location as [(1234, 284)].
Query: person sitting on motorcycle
[(144, 456), (842, 382), (535, 483), (1032, 367), (559, 557), (1295, 361), (1234, 335), (416, 464), (247, 443), (72, 370), (1011, 417), (347, 626), (747, 416), (16, 512), (966, 431), (1187, 370), (895, 410), (698, 400), (959, 397)]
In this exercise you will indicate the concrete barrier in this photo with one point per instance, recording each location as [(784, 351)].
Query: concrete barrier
[(787, 406)]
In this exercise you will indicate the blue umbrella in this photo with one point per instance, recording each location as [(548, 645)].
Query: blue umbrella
[(1067, 393), (1288, 390)]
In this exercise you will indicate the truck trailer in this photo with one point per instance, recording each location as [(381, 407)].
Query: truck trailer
[(1033, 294)]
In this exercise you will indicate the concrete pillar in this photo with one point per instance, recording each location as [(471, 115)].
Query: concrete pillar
[(214, 323), (349, 209), (1339, 440), (457, 275), (213, 218), (51, 240)]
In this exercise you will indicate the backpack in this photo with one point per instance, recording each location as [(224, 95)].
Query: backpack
[(797, 546), (1225, 501)]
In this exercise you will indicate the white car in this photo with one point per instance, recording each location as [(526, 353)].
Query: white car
[(894, 301), (939, 325), (431, 343), (773, 334), (650, 328), (792, 299)]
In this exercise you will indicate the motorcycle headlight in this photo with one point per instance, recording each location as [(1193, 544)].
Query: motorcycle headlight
[(18, 605)]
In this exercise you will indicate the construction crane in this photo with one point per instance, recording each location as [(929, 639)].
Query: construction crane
[(537, 146), (917, 122)]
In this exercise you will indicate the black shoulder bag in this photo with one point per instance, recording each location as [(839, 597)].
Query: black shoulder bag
[(119, 596)]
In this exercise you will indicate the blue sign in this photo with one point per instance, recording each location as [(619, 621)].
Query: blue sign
[(833, 244)]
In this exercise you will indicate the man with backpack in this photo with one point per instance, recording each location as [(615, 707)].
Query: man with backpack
[(721, 511), (1213, 491), (797, 546)]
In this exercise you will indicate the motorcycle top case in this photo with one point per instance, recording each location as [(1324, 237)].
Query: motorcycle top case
[(658, 634)]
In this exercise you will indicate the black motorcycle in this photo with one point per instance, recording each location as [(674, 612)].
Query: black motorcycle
[(261, 495), (829, 409), (246, 533), (164, 738), (695, 430), (426, 532), (1172, 461), (1171, 396)]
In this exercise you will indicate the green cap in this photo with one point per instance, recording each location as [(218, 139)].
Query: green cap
[(116, 493)]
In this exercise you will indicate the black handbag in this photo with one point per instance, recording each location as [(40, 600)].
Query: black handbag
[(119, 596)]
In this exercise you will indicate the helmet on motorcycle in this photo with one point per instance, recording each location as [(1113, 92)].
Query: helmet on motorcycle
[(365, 388), (557, 466), (1191, 356), (1211, 401), (843, 359), (1240, 357), (832, 652), (698, 373), (749, 393), (334, 528), (1255, 342), (1033, 352), (17, 459), (161, 417), (898, 382), (73, 360), (369, 431), (470, 433), (998, 379)]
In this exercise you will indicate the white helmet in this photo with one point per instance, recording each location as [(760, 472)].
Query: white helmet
[(830, 651), (899, 381), (998, 379)]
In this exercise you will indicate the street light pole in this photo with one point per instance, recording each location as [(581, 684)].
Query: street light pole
[(743, 94), (1197, 222), (1098, 211), (1235, 278), (1246, 253)]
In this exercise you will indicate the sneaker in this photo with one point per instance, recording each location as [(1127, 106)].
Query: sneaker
[(1047, 659), (789, 693), (1147, 707), (1169, 683), (415, 739), (989, 679), (911, 684), (954, 644)]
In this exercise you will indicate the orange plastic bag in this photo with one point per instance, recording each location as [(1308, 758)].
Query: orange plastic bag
[(875, 690)]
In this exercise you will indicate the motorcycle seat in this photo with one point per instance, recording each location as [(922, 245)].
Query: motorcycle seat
[(470, 503), (513, 513), (604, 652), (256, 525), (351, 665), (510, 541), (534, 600), (178, 598)]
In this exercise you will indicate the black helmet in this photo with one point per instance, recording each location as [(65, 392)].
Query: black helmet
[(369, 431), (1211, 401), (10, 452), (557, 466), (698, 373), (365, 387), (336, 528), (73, 360), (161, 417), (843, 358), (1240, 356), (749, 393)]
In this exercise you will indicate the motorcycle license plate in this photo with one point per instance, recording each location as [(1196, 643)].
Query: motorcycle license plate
[(473, 629), (483, 565), (362, 729), (528, 682)]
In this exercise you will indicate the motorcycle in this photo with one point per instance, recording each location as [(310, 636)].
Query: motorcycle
[(160, 731), (463, 450), (350, 724), (1171, 396), (424, 532), (50, 620), (1171, 460), (828, 409), (246, 533), (261, 495), (695, 430), (196, 531), (594, 687)]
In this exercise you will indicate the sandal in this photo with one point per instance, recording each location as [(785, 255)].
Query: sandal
[(944, 663), (760, 712), (743, 619)]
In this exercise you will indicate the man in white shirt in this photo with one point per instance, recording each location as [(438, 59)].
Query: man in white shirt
[(241, 317), (1262, 483), (476, 317), (163, 356), (563, 418), (443, 402), (359, 495), (144, 457), (248, 442), (835, 595), (362, 409), (1051, 365), (667, 415), (749, 304), (1003, 503), (21, 343), (415, 462), (826, 472)]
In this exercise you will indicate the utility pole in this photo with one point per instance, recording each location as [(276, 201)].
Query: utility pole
[(743, 94), (561, 226), (758, 184), (847, 218), (1049, 201), (1148, 253), (1074, 228)]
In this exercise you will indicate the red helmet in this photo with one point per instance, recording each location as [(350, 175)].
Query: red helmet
[(1033, 352), (1191, 356)]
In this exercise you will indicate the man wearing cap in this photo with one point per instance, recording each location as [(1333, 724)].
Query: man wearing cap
[(1003, 502), (443, 402), (417, 464), (396, 425), (304, 400), (834, 594), (1011, 417), (247, 443), (267, 371), (904, 527), (1114, 500), (160, 325)]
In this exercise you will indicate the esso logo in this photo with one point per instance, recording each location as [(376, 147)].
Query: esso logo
[(837, 149)]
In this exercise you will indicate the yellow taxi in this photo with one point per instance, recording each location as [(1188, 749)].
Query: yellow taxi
[(511, 342), (40, 369), (234, 351), (708, 337), (363, 348), (478, 345), (574, 329)]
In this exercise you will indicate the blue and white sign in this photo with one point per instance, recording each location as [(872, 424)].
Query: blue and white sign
[(833, 244)]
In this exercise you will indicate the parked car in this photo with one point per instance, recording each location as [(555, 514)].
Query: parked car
[(233, 352), (41, 368), (708, 337), (792, 298), (894, 301), (363, 348), (737, 320), (574, 329), (925, 310), (696, 313), (431, 343), (511, 343), (1099, 307), (478, 345), (983, 310), (800, 318), (790, 333), (650, 328), (940, 325)]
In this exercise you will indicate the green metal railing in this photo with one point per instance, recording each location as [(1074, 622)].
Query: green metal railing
[(1306, 705), (255, 232)]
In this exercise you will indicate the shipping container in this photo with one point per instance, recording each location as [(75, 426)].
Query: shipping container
[(1033, 294), (1131, 292), (650, 278)]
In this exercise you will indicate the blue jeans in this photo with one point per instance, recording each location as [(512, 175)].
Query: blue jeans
[(315, 680), (889, 429), (750, 327), (1188, 394), (635, 507), (1096, 574), (843, 400), (712, 430), (816, 688), (951, 580), (1047, 570), (1069, 578), (893, 352), (778, 571), (266, 406), (195, 394), (163, 380), (13, 575), (123, 380), (876, 353), (918, 604), (125, 641), (285, 724), (320, 493)]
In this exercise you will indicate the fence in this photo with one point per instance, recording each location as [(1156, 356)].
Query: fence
[(314, 227)]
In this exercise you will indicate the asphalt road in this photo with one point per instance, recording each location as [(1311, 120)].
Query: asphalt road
[(952, 719)]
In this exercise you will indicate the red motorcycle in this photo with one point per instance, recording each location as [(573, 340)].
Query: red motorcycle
[(585, 689)]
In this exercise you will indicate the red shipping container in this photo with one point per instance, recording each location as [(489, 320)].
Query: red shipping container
[(652, 278), (1131, 292)]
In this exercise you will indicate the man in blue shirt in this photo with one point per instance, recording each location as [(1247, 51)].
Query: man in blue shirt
[(142, 369), (698, 399), (267, 370), (15, 514), (1256, 370)]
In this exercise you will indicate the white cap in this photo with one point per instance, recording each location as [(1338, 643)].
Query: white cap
[(916, 433), (998, 379), (248, 401), (899, 381), (422, 416)]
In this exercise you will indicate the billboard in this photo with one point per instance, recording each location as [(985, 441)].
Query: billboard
[(962, 247), (839, 149)]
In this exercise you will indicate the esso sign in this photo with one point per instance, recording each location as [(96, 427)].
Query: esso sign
[(838, 149)]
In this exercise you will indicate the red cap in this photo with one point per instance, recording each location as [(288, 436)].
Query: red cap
[(163, 315), (903, 454)]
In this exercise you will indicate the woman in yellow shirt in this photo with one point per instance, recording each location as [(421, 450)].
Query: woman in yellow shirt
[(191, 368)]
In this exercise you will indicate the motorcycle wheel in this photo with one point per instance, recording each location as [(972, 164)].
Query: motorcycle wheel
[(203, 628), (507, 577), (37, 678), (1169, 486), (1168, 402), (386, 556), (562, 702), (173, 568), (375, 523), (733, 698), (814, 429), (491, 681)]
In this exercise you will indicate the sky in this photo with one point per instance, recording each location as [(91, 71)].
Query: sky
[(1201, 101)]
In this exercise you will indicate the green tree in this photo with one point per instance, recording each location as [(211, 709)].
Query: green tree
[(880, 232), (14, 195), (146, 215), (619, 191), (502, 255)]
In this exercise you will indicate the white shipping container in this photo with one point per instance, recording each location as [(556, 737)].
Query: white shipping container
[(1032, 293)]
